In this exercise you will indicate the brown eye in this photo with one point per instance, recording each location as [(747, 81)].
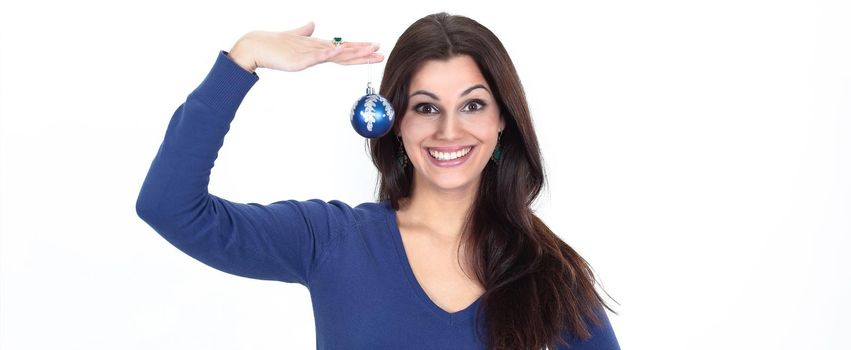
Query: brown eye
[(476, 105), (425, 108)]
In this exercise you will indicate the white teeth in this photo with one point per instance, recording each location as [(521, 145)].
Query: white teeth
[(450, 155)]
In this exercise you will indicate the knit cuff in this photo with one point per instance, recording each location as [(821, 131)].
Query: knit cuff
[(226, 84)]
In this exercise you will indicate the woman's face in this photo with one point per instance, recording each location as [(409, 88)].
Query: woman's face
[(451, 124)]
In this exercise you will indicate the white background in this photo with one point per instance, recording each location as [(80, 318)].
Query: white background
[(698, 156)]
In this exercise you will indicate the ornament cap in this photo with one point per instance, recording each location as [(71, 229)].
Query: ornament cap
[(369, 89)]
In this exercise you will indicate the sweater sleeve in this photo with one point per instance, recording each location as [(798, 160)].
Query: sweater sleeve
[(281, 241)]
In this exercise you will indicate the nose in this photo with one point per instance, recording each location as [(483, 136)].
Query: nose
[(449, 128)]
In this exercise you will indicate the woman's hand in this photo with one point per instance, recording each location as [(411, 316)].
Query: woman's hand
[(295, 50)]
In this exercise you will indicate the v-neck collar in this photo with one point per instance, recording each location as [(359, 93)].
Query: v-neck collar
[(450, 318)]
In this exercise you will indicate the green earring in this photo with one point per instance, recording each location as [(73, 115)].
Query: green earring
[(402, 157), (497, 152)]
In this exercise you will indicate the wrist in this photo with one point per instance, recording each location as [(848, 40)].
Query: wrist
[(241, 55)]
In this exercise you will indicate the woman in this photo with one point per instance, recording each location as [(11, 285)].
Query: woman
[(451, 257)]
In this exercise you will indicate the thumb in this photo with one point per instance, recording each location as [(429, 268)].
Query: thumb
[(305, 30)]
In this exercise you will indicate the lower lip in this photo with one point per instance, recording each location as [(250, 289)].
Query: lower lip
[(449, 163)]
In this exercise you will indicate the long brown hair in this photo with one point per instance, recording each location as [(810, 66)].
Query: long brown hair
[(536, 286)]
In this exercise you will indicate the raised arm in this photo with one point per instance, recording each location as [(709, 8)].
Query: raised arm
[(280, 241)]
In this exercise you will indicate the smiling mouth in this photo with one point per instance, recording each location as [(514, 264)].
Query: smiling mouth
[(455, 155), (445, 156)]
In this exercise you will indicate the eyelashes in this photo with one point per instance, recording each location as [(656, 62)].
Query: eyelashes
[(425, 108), (430, 109)]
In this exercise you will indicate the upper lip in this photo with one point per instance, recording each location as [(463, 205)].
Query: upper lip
[(449, 148)]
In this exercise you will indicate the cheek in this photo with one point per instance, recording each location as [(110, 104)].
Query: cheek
[(485, 127), (414, 128)]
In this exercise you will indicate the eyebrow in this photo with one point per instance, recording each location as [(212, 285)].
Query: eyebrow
[(469, 90)]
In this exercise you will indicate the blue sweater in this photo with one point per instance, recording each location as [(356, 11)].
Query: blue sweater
[(352, 260)]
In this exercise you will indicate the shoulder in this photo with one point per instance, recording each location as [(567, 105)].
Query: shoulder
[(602, 335), (372, 210), (339, 211)]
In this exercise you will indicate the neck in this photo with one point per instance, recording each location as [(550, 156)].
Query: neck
[(441, 212)]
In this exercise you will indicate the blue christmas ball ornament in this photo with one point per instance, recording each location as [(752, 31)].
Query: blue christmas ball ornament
[(372, 115)]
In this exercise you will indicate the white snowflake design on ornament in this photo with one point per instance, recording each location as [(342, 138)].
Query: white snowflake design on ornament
[(388, 109), (368, 114)]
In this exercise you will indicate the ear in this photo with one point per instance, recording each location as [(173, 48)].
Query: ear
[(501, 123)]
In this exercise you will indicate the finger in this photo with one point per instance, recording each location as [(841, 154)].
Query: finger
[(351, 53), (346, 44), (372, 58), (329, 54), (356, 45)]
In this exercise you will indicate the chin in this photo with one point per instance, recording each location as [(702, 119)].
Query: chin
[(447, 179), (454, 184)]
